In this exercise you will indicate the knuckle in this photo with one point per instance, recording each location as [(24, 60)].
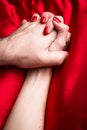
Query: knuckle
[(47, 13), (68, 37), (69, 34), (61, 43), (36, 14), (27, 23), (66, 27)]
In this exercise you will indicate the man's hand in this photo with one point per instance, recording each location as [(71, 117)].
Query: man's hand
[(27, 47)]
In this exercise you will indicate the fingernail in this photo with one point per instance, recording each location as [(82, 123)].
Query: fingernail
[(56, 20), (43, 19), (46, 30), (34, 18)]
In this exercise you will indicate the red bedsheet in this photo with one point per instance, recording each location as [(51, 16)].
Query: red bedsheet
[(67, 100)]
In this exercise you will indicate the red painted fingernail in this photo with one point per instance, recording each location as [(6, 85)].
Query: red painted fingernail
[(46, 30), (43, 19), (34, 18), (56, 20)]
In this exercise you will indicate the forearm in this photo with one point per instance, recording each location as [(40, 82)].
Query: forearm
[(4, 52), (28, 111), (1, 52)]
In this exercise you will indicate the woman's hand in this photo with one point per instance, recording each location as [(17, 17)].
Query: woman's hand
[(57, 23)]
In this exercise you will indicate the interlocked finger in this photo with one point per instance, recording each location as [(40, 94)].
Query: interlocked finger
[(62, 38), (45, 17), (50, 26)]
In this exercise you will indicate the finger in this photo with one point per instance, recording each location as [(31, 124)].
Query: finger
[(49, 25), (68, 40), (60, 18), (23, 25), (35, 17), (68, 37), (55, 58), (59, 45), (61, 40), (45, 17)]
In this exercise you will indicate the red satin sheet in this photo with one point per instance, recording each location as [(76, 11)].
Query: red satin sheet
[(67, 99)]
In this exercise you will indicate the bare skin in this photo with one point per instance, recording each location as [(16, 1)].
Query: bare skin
[(28, 111), (24, 50)]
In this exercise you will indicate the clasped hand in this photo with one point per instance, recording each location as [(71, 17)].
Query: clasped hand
[(37, 43)]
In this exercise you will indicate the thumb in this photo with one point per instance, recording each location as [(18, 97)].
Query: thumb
[(55, 58)]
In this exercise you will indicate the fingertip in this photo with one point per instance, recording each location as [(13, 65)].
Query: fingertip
[(67, 53), (56, 22), (49, 27), (56, 19), (63, 57), (35, 17), (43, 20), (46, 16), (46, 30)]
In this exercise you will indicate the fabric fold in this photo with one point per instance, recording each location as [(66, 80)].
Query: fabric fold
[(67, 99)]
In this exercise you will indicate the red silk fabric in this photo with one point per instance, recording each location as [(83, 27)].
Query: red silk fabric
[(67, 99)]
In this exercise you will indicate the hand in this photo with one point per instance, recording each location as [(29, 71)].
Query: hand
[(55, 22), (27, 47)]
